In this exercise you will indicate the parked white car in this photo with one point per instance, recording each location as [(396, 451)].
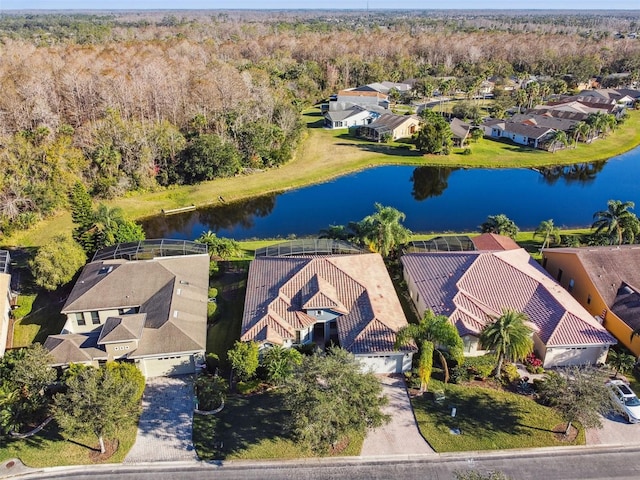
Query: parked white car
[(627, 402)]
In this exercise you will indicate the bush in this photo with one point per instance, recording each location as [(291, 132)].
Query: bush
[(480, 367), (214, 269), (211, 391), (466, 151), (213, 362), (460, 374), (510, 373), (533, 364)]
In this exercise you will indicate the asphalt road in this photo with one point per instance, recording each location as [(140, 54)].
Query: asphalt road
[(545, 464)]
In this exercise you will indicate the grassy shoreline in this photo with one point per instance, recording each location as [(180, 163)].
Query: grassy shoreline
[(325, 155)]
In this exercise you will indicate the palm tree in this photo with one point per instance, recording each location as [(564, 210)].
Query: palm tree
[(432, 333), (620, 361), (547, 230), (558, 137), (508, 336), (581, 130), (616, 219), (383, 231)]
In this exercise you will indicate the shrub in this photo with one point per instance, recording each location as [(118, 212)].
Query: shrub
[(510, 373), (214, 269), (466, 151), (480, 367), (213, 362), (533, 364), (211, 391)]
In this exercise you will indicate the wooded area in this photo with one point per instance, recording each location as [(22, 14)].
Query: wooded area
[(138, 101)]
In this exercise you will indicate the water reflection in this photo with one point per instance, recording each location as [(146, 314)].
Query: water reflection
[(215, 218), (581, 173), (430, 182)]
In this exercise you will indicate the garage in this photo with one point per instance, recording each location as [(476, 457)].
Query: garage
[(566, 356), (392, 363), (167, 366)]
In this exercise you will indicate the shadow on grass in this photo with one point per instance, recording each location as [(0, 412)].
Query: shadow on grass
[(401, 151), (45, 314), (244, 422), (478, 414)]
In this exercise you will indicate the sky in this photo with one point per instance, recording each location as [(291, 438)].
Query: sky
[(302, 4)]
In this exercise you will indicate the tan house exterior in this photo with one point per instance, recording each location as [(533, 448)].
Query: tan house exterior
[(152, 312), (345, 299), (605, 280), (473, 287), (390, 125)]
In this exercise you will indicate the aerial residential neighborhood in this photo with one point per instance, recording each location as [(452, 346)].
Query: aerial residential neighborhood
[(319, 243)]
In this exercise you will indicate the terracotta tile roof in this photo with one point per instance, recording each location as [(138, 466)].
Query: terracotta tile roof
[(357, 287), (492, 241), (484, 283)]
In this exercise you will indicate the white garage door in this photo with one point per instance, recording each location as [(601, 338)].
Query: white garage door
[(167, 366), (563, 357), (382, 363)]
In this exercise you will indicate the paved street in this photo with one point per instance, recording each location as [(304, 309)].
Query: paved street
[(570, 463), (164, 431), (401, 435)]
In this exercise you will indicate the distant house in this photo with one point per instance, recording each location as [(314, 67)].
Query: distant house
[(363, 98), (471, 288), (6, 298), (460, 132), (351, 117), (345, 299), (606, 281), (523, 134), (390, 125), (544, 121), (384, 87), (152, 312)]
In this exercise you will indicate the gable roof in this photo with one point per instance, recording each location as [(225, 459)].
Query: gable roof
[(530, 131), (545, 121), (356, 287), (74, 348), (169, 293), (387, 122), (459, 129), (472, 287), (492, 241)]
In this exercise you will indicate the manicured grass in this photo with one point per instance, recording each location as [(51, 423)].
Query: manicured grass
[(252, 427), (50, 448), (326, 154), (39, 316), (488, 419)]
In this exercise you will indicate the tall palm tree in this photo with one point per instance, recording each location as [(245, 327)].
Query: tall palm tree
[(581, 131), (508, 336), (383, 231), (558, 137), (615, 219), (547, 230), (433, 333)]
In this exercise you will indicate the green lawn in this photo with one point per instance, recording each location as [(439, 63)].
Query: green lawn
[(50, 448), (252, 427), (488, 419)]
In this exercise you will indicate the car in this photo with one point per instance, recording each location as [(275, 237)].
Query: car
[(625, 400)]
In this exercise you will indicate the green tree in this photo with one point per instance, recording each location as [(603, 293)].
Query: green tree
[(615, 219), (57, 262), (558, 137), (25, 376), (501, 225), (508, 337), (244, 359), (220, 246), (383, 231), (208, 157), (432, 333), (620, 361), (434, 136), (548, 231), (211, 391), (329, 397), (97, 400), (280, 363), (577, 393)]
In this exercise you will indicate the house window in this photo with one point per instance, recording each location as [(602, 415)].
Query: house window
[(571, 285), (559, 277), (588, 299), (95, 318), (80, 320)]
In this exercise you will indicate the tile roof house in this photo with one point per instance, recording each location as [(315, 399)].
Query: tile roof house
[(471, 288), (351, 116), (152, 312), (347, 299), (6, 298), (606, 281), (492, 241)]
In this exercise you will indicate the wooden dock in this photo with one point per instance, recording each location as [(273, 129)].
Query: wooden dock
[(173, 211)]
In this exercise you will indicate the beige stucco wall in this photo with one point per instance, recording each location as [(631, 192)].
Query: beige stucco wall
[(120, 349)]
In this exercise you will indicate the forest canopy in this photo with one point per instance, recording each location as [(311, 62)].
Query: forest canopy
[(127, 102)]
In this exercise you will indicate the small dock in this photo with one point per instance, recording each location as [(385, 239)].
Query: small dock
[(173, 211)]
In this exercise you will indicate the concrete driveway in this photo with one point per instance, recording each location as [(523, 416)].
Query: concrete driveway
[(401, 435), (615, 431), (164, 431)]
